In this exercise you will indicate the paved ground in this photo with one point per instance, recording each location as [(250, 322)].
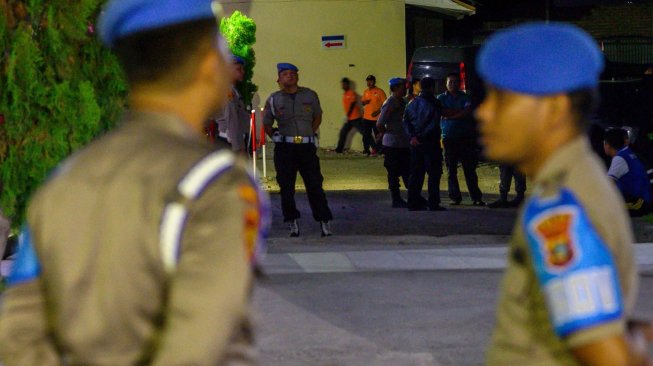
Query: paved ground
[(391, 287)]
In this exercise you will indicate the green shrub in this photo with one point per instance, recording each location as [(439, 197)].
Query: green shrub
[(59, 88), (240, 33)]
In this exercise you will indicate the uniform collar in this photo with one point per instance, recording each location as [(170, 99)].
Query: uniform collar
[(161, 121), (562, 160)]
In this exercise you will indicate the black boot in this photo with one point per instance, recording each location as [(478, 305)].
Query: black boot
[(502, 202), (515, 202)]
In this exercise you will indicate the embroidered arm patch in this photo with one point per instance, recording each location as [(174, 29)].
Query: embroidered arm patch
[(573, 265), (27, 266)]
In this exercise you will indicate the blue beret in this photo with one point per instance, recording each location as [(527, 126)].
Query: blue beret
[(541, 59), (396, 81), (121, 18), (286, 66), (239, 60)]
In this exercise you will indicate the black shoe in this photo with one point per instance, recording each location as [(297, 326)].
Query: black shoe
[(515, 202), (478, 203), (455, 202), (294, 228), (437, 208), (399, 203), (500, 203)]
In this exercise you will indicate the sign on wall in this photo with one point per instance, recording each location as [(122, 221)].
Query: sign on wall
[(333, 42)]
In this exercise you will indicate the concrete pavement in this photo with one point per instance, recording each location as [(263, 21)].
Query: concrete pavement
[(451, 258)]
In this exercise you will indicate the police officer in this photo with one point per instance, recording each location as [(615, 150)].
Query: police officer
[(298, 114), (395, 141), (137, 250), (233, 122), (571, 279)]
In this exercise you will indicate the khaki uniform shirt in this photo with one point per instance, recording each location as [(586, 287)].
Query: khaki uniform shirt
[(524, 333), (234, 121), (294, 112), (141, 239)]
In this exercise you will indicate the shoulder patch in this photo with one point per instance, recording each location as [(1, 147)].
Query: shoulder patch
[(27, 267), (573, 264), (257, 220)]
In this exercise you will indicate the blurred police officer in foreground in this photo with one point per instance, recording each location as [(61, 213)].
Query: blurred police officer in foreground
[(571, 280), (138, 249), (299, 115)]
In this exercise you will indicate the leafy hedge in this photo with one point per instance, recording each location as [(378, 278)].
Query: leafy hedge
[(240, 33), (59, 88)]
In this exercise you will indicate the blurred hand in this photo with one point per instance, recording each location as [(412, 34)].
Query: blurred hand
[(414, 141), (640, 339)]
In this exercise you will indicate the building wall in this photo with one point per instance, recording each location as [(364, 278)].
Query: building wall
[(600, 21), (619, 20), (291, 31)]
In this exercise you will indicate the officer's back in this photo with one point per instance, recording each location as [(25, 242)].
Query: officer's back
[(135, 251)]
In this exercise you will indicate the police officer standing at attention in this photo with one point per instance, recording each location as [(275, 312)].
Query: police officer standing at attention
[(571, 279), (299, 115), (233, 122), (137, 251)]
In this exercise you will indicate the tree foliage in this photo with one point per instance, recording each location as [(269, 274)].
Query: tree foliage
[(59, 88), (240, 32)]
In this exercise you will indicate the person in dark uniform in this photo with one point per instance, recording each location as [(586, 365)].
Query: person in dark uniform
[(299, 115), (422, 125), (395, 141), (138, 249)]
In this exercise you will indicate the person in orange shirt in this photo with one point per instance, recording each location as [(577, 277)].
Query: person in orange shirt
[(354, 119), (373, 98)]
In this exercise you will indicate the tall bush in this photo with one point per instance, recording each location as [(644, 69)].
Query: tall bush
[(59, 88), (240, 32)]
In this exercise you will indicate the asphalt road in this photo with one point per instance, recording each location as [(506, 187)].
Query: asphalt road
[(391, 287)]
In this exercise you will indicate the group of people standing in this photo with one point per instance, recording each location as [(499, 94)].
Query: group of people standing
[(417, 133)]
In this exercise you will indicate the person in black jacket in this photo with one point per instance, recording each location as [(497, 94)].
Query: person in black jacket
[(422, 125)]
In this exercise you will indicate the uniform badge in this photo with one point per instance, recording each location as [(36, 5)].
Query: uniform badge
[(556, 241)]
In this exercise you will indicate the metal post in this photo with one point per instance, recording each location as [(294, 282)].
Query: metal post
[(252, 131)]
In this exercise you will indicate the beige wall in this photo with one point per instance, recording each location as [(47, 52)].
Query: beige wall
[(291, 31)]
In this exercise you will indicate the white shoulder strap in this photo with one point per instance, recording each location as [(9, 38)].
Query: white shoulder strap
[(274, 114), (190, 188)]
